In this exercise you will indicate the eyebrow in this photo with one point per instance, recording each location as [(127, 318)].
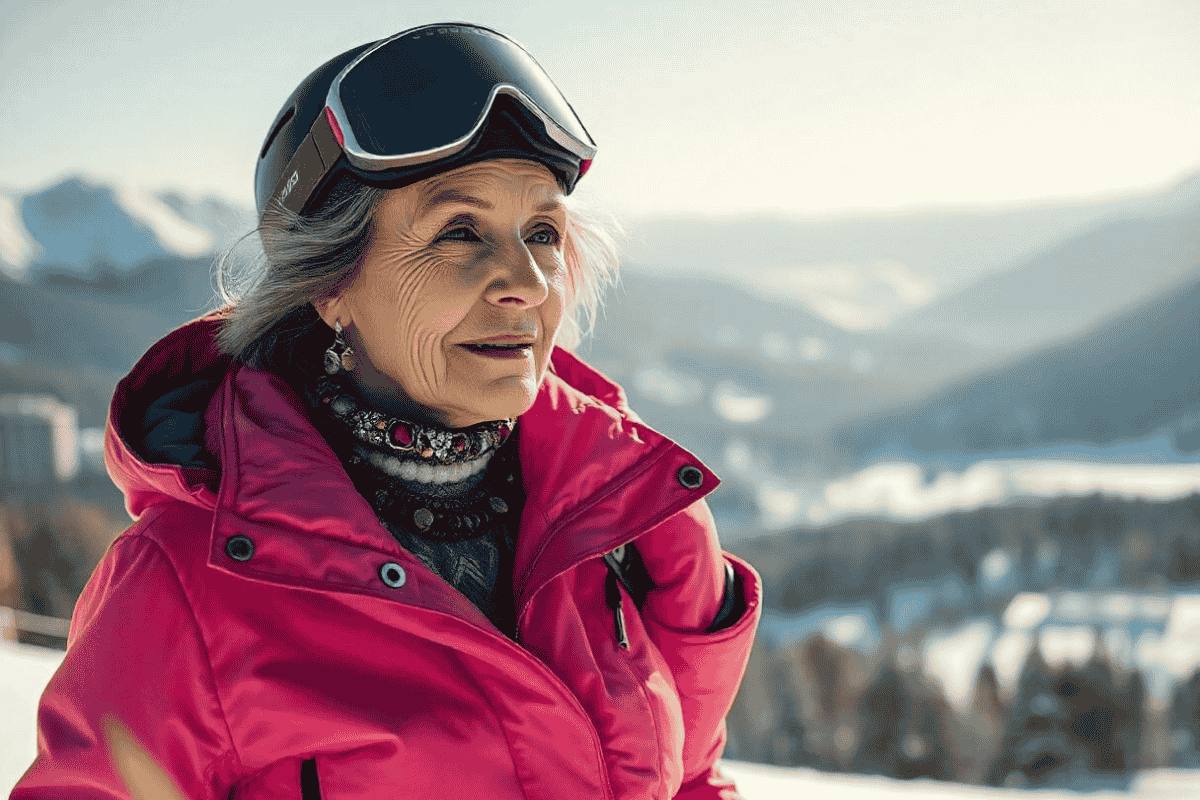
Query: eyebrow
[(548, 206)]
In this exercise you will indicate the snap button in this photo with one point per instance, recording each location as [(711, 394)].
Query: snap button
[(690, 477), (239, 547), (392, 574)]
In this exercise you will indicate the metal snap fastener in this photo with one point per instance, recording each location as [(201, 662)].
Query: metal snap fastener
[(690, 477), (392, 574), (239, 547)]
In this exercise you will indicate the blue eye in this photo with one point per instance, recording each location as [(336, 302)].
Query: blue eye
[(459, 235), (547, 236)]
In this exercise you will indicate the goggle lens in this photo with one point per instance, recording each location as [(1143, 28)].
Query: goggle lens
[(426, 89)]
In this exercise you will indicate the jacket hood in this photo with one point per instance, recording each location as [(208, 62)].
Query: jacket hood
[(155, 445)]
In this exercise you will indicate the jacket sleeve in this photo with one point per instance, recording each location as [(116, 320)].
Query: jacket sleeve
[(707, 667), (135, 653)]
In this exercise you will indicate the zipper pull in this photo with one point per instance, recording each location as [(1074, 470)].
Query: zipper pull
[(622, 638), (613, 595)]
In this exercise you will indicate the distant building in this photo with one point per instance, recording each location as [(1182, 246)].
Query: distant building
[(39, 440)]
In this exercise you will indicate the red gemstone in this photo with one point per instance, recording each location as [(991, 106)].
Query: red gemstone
[(402, 435), (324, 399), (460, 443)]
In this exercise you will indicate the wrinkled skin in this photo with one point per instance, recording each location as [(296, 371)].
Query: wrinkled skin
[(470, 255)]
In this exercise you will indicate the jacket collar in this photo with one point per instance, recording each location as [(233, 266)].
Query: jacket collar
[(595, 475)]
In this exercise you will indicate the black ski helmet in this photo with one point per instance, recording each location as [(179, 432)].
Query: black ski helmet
[(510, 130)]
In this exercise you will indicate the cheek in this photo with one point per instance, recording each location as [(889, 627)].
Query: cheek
[(414, 306), (561, 296)]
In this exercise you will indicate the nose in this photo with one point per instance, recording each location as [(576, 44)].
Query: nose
[(517, 280)]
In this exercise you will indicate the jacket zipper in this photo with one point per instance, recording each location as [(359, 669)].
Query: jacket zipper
[(612, 592)]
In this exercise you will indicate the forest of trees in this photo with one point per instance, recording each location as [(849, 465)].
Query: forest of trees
[(816, 703), (1067, 542)]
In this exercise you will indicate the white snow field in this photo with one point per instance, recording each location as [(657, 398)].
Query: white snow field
[(25, 670)]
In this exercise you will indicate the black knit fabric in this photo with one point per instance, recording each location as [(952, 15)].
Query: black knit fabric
[(472, 542)]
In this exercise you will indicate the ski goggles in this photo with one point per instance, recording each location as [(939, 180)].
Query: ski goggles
[(421, 97)]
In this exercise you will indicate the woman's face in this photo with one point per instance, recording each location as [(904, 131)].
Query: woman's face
[(454, 308)]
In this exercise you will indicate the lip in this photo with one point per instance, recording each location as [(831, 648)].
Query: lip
[(504, 338)]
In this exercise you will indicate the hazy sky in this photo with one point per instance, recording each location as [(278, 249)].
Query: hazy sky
[(697, 107)]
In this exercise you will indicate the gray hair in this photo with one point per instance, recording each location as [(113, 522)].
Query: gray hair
[(268, 292)]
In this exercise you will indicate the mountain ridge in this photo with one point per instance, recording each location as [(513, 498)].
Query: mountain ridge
[(1132, 376)]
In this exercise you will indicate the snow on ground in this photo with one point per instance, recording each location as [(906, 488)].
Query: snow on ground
[(953, 658), (904, 490), (900, 490), (761, 782), (24, 673), (25, 670)]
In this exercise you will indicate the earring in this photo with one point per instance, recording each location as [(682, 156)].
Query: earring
[(340, 355)]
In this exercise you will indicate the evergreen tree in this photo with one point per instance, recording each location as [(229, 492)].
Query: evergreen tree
[(1035, 744), (982, 728), (786, 745), (904, 721), (1071, 727), (1185, 724)]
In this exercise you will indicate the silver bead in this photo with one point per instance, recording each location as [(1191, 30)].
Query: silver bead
[(333, 364), (423, 518), (498, 505)]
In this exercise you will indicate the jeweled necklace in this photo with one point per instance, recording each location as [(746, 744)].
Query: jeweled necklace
[(409, 450)]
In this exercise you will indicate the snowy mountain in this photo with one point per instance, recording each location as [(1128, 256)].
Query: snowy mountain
[(77, 227), (1068, 287), (863, 272), (223, 221), (1131, 378), (18, 248)]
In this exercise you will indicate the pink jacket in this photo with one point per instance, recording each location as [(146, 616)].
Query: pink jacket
[(299, 672)]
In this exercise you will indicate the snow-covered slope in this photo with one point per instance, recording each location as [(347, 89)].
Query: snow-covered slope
[(222, 221), (24, 673), (18, 249), (25, 670), (79, 226)]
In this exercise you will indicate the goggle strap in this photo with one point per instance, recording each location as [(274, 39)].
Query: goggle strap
[(313, 160)]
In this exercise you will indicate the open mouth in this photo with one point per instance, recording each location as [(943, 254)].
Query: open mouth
[(500, 350)]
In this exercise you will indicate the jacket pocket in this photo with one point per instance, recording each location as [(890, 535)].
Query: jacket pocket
[(708, 667)]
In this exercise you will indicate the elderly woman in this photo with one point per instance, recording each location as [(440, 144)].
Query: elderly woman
[(392, 540)]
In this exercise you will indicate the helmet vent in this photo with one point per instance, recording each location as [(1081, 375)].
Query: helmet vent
[(291, 112)]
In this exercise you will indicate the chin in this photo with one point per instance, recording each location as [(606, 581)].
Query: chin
[(508, 402)]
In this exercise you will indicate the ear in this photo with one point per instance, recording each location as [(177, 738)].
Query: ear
[(331, 310)]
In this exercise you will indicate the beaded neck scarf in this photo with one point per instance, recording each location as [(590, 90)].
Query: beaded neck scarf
[(439, 482)]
